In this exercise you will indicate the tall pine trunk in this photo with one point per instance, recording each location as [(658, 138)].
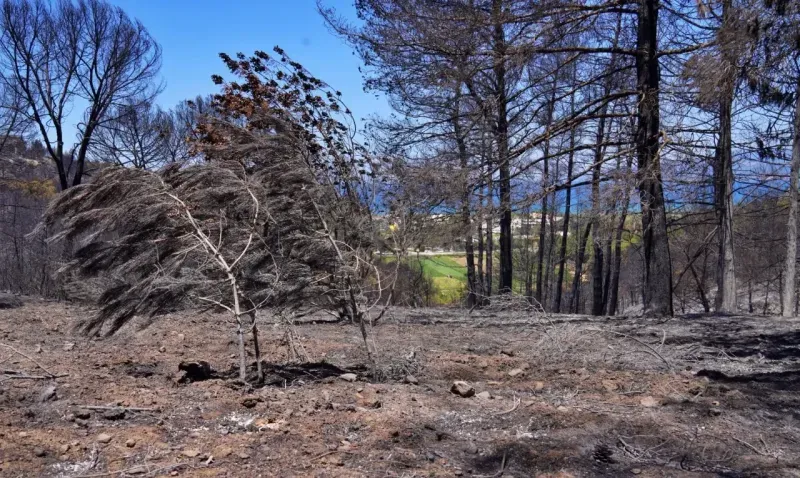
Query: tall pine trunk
[(725, 301), (489, 233), (598, 306), (501, 136), (575, 300), (613, 293), (545, 183), (562, 253), (790, 266), (657, 285), (466, 220)]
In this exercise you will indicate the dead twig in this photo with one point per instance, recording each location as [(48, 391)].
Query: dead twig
[(48, 372), (649, 347), (109, 407), (750, 446), (149, 472), (15, 375), (510, 410)]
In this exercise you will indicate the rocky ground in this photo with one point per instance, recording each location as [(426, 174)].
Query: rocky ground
[(560, 396)]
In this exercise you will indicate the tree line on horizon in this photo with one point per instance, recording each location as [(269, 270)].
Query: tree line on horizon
[(657, 145)]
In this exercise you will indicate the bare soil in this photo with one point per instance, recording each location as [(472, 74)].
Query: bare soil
[(568, 396)]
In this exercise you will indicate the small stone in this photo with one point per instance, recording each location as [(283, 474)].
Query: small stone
[(83, 414), (471, 448), (484, 395), (181, 337), (48, 393), (40, 452), (130, 443), (648, 401), (609, 385), (190, 453), (715, 403), (348, 377), (412, 380), (162, 349), (222, 451), (250, 402), (38, 348), (64, 448), (515, 372), (636, 471), (116, 413), (462, 389), (243, 455), (137, 470), (562, 409), (104, 438), (68, 346), (538, 385)]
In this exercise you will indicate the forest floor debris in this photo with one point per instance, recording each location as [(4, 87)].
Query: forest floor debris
[(690, 396)]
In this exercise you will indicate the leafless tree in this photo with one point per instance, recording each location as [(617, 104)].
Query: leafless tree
[(137, 135), (56, 55)]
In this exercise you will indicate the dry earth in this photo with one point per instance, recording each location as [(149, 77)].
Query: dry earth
[(565, 396)]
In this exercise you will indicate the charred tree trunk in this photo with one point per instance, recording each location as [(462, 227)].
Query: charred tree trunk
[(501, 135), (545, 183), (597, 245), (725, 301), (790, 265), (481, 277), (542, 226), (466, 220), (575, 300), (562, 254), (657, 264), (489, 234), (609, 257), (528, 258), (701, 290), (613, 294)]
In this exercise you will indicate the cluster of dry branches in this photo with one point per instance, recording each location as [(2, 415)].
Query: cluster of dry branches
[(273, 218)]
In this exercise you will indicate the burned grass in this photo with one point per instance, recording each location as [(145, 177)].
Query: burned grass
[(555, 397)]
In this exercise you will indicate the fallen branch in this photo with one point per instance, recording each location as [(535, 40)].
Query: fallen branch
[(14, 375), (750, 446), (149, 472), (109, 407), (51, 374), (649, 347), (516, 405)]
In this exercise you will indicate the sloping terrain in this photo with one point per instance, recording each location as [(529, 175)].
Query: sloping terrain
[(558, 396)]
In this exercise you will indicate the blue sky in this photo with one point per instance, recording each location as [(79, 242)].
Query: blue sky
[(192, 33)]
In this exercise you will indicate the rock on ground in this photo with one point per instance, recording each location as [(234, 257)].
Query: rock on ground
[(462, 389), (9, 301)]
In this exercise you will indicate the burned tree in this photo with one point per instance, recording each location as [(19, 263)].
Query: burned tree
[(251, 227)]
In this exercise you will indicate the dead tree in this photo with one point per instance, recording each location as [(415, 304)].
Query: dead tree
[(54, 54)]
